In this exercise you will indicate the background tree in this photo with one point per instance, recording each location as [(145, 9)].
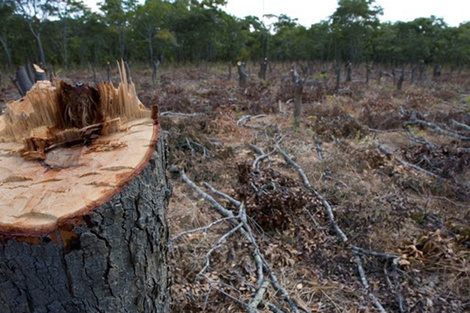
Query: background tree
[(35, 13), (6, 17), (353, 23)]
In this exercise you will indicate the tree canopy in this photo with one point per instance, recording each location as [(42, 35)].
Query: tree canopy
[(66, 32)]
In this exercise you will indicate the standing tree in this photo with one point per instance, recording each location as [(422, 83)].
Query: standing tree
[(117, 15), (6, 13), (352, 24), (148, 20), (66, 11), (298, 85), (35, 13)]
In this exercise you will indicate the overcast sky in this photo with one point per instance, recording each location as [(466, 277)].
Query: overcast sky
[(309, 12), (312, 11)]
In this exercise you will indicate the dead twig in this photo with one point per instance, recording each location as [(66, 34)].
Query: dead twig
[(389, 154), (355, 250), (246, 118), (246, 231), (460, 125), (438, 129), (255, 301), (202, 229), (309, 187), (178, 114)]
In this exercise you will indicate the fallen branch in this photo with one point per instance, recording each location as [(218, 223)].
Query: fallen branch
[(246, 231), (177, 114), (217, 246), (460, 125), (255, 301), (389, 154), (202, 229), (245, 119), (261, 155), (411, 136), (438, 129), (205, 151), (355, 250), (309, 187)]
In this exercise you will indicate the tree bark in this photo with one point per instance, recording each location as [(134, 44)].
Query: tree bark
[(4, 43), (241, 74), (115, 261), (23, 81), (298, 88), (83, 198)]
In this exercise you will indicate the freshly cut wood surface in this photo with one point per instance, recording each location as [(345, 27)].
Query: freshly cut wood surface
[(35, 197), (65, 150)]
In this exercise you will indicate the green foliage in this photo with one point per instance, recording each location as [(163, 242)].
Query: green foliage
[(195, 31)]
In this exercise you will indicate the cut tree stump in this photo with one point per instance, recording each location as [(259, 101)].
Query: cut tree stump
[(83, 197)]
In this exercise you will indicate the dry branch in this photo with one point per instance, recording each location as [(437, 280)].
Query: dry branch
[(389, 154), (438, 129), (246, 231), (202, 229), (355, 250), (461, 125), (309, 187), (177, 114)]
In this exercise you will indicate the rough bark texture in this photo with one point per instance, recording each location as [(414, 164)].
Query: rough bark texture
[(116, 262), (24, 83)]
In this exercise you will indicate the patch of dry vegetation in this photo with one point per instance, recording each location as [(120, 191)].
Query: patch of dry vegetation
[(379, 201)]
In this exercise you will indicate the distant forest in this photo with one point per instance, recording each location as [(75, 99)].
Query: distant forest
[(66, 33)]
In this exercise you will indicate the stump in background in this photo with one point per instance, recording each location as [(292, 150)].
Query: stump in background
[(83, 200)]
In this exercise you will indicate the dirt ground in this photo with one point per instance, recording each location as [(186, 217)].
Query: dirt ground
[(396, 186)]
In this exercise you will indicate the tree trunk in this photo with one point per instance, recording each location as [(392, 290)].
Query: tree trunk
[(348, 71), (150, 42), (298, 88), (368, 70), (263, 67), (86, 228), (64, 44), (401, 79), (23, 82), (7, 53), (241, 74), (42, 56), (156, 64), (338, 74)]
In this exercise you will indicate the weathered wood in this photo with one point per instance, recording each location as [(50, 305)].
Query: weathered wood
[(39, 73), (401, 79), (263, 67), (156, 65), (241, 74), (298, 85), (23, 82)]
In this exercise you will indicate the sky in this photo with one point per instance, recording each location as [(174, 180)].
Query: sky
[(313, 11), (309, 12)]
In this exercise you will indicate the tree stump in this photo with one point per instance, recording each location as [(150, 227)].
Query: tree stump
[(82, 208)]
